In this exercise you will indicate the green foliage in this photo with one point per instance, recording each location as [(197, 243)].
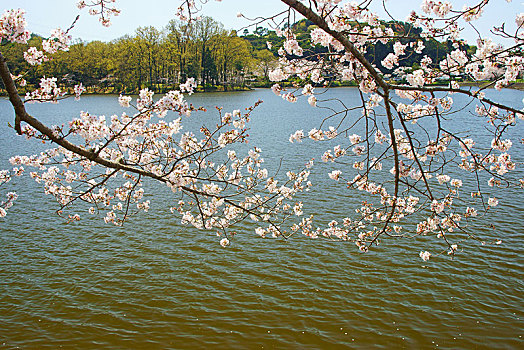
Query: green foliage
[(219, 59)]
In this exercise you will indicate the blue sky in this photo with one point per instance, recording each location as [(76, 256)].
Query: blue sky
[(43, 15)]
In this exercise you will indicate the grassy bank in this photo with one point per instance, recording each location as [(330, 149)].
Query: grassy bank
[(517, 85)]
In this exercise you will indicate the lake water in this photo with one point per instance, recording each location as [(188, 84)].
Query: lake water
[(154, 284)]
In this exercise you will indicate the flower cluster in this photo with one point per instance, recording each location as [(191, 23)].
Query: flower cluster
[(48, 92), (5, 177), (59, 40), (101, 8), (12, 27), (439, 8), (35, 57)]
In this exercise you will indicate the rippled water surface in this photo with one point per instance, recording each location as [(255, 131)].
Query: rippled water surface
[(156, 284)]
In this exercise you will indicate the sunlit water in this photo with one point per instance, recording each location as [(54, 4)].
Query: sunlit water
[(156, 284)]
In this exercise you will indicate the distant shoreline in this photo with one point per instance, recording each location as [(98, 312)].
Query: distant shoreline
[(515, 86), (480, 84)]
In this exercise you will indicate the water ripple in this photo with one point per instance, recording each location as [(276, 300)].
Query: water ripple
[(154, 284)]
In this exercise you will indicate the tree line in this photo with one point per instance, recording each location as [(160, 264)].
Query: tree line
[(161, 59)]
